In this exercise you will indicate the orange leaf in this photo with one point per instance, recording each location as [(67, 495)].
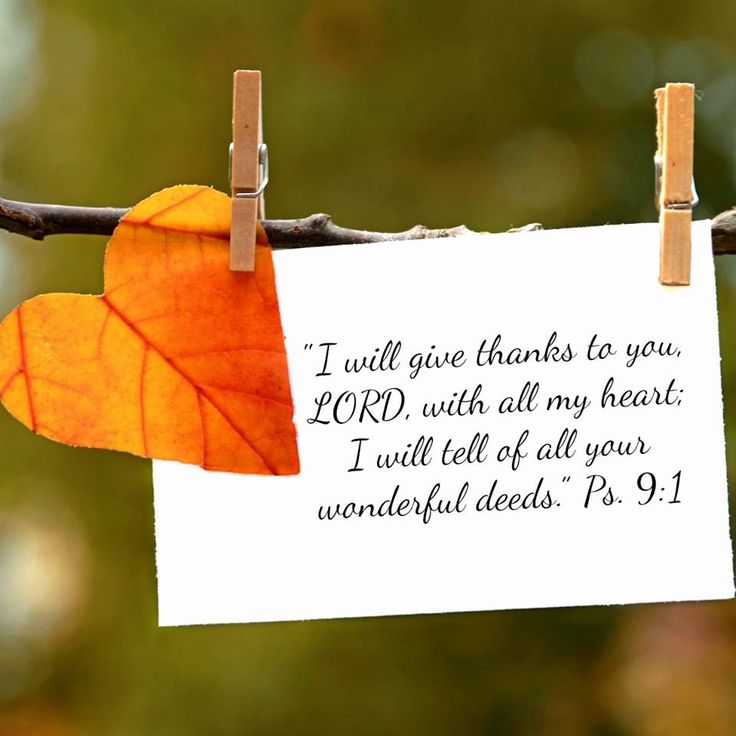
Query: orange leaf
[(179, 359)]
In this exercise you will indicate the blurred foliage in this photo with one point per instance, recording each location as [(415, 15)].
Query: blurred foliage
[(383, 114)]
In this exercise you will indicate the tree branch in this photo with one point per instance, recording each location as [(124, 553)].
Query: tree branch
[(723, 231), (37, 221)]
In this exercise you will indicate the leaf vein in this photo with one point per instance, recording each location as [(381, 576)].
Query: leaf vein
[(146, 340)]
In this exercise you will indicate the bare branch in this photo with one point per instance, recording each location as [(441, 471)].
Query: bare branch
[(36, 221), (723, 230)]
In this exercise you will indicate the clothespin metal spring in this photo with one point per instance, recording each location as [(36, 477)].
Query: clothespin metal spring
[(263, 163), (694, 197)]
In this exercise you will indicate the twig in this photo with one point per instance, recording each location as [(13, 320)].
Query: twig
[(723, 231), (36, 221)]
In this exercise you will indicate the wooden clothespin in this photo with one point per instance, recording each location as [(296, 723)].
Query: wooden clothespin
[(248, 169), (676, 194)]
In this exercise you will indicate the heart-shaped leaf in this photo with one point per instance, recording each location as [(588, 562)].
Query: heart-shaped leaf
[(179, 359)]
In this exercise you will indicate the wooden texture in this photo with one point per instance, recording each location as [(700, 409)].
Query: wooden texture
[(675, 128), (675, 247), (243, 234), (245, 168), (659, 105)]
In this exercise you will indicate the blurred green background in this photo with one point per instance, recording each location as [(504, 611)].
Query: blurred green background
[(384, 114)]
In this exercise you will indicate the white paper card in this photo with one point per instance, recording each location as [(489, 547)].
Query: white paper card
[(543, 427)]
